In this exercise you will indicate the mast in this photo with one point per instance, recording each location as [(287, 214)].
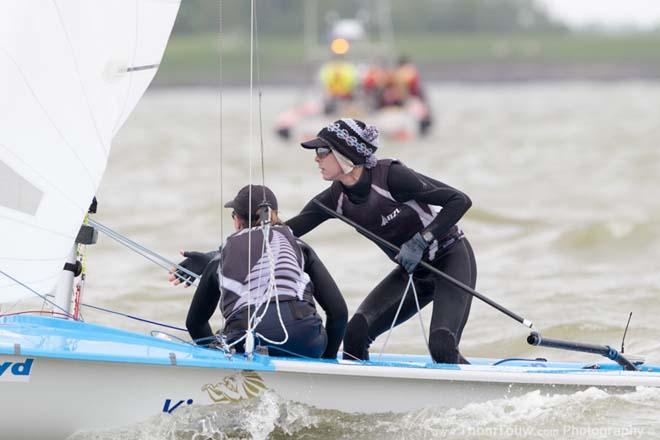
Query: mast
[(64, 290), (74, 268)]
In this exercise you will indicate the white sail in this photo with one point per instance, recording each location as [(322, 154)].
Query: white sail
[(71, 72)]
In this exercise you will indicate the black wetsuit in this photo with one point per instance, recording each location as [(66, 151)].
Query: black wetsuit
[(307, 337), (452, 254)]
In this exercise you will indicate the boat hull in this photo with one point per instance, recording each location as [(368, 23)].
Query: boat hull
[(395, 123), (79, 376), (72, 395)]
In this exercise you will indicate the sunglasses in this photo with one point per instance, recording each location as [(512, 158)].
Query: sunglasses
[(322, 152)]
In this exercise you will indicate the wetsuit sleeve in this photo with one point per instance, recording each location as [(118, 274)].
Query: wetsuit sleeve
[(311, 216), (327, 294), (405, 184), (204, 302)]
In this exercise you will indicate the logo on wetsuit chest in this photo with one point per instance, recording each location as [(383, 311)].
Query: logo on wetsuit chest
[(390, 217)]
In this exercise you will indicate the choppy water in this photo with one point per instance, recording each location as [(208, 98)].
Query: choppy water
[(565, 225)]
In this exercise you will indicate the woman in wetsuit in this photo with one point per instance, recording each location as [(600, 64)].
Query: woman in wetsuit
[(397, 204), (237, 284)]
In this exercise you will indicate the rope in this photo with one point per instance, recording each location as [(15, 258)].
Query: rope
[(293, 353), (136, 318), (419, 313), (35, 292), (272, 286), (264, 249), (253, 320), (355, 358), (156, 333), (204, 339), (69, 315), (250, 342), (396, 316), (43, 312)]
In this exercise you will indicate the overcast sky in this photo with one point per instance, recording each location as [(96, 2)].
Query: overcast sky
[(609, 12)]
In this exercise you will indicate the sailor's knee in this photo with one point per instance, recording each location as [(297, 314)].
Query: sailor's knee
[(356, 330), (443, 347)]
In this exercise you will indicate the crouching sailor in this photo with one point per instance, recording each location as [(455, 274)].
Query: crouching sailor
[(268, 287), (397, 204)]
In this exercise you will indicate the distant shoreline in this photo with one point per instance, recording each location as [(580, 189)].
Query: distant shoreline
[(531, 72), (467, 72), (196, 60)]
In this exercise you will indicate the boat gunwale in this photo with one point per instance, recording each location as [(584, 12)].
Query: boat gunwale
[(414, 367)]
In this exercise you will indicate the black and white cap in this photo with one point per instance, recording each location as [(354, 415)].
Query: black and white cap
[(351, 138)]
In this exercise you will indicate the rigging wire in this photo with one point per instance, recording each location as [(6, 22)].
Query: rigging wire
[(254, 319), (150, 255), (221, 174), (136, 318), (35, 292), (261, 128), (272, 286), (101, 309), (221, 121), (249, 343), (264, 243)]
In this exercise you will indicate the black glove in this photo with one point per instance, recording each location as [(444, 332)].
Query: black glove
[(411, 252), (195, 262)]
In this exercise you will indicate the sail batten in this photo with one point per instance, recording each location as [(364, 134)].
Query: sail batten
[(138, 68), (25, 197), (66, 92)]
